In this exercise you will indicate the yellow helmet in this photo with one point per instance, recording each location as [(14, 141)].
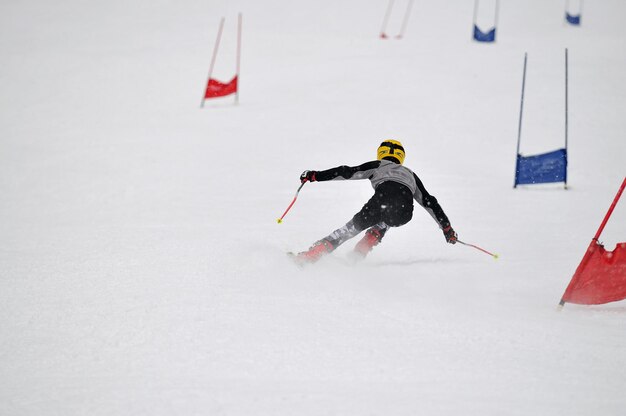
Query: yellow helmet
[(391, 148)]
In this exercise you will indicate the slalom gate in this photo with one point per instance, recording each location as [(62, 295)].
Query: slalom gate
[(405, 20), (601, 275), (215, 88), (546, 167), (487, 36), (573, 17)]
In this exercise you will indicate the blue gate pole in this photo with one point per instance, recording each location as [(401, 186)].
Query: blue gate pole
[(519, 128), (581, 10), (475, 16), (566, 115), (566, 99), (495, 25)]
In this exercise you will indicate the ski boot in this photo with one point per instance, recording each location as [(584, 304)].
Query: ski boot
[(314, 253), (371, 238)]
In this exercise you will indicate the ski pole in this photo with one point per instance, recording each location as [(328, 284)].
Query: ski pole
[(280, 220), (495, 256)]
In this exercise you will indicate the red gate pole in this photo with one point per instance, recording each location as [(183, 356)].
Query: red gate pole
[(405, 20), (239, 23), (611, 208), (217, 44), (383, 35)]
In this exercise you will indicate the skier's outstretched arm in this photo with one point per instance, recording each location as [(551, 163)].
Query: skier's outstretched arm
[(363, 171), (431, 205)]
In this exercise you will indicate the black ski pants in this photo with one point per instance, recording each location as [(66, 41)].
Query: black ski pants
[(392, 203)]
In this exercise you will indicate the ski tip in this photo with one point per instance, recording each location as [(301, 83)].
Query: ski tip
[(280, 220), (294, 257), (496, 256)]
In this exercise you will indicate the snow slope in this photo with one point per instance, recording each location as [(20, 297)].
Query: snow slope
[(142, 271)]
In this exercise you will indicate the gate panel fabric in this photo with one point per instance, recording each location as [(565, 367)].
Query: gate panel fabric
[(543, 168), (481, 36), (600, 277), (572, 20), (216, 88)]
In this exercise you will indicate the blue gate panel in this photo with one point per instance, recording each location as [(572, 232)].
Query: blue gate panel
[(542, 168)]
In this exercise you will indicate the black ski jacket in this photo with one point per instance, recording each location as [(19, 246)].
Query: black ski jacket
[(379, 171)]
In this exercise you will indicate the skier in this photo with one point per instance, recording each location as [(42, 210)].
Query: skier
[(395, 187)]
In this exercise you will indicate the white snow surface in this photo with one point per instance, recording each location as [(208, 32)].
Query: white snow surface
[(142, 271)]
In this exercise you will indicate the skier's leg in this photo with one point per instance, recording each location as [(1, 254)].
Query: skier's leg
[(392, 208), (329, 243), (372, 237), (369, 215), (343, 234)]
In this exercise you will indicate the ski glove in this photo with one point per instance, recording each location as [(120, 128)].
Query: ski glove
[(308, 175), (450, 234)]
